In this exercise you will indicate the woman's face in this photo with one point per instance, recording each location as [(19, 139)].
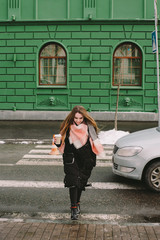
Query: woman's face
[(78, 118)]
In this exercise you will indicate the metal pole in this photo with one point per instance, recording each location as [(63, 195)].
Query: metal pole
[(157, 56)]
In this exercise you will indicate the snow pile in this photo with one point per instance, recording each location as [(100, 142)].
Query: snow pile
[(111, 136)]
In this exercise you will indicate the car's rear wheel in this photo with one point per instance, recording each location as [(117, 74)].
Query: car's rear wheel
[(152, 176)]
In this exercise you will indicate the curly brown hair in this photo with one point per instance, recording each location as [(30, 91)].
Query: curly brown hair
[(70, 119)]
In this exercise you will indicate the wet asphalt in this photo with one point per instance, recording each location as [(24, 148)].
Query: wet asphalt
[(46, 129), (139, 204)]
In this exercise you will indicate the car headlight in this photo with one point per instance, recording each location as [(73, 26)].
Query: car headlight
[(129, 151)]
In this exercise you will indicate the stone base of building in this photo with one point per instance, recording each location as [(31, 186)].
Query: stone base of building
[(60, 115)]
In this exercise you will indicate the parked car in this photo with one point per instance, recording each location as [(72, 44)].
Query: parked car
[(137, 156)]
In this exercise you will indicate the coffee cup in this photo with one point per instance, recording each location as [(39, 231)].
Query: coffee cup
[(58, 138)]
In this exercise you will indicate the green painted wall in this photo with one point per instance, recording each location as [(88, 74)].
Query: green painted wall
[(90, 46), (89, 30), (36, 10)]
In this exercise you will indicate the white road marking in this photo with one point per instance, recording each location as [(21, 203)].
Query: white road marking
[(47, 151), (108, 153), (44, 146), (59, 184), (103, 164), (108, 147), (47, 156), (7, 164), (43, 156), (40, 151), (40, 156), (108, 150), (39, 162), (107, 157)]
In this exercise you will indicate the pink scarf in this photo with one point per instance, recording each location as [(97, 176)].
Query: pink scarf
[(79, 136)]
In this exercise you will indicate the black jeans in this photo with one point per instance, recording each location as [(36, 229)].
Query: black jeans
[(75, 195)]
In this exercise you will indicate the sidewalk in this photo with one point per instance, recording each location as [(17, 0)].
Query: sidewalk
[(74, 231)]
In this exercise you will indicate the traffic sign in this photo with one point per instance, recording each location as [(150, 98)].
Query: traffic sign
[(154, 43)]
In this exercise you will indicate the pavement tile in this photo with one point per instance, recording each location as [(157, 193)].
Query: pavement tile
[(57, 232), (142, 232), (82, 232), (125, 232), (75, 231), (91, 231), (157, 231), (99, 232), (107, 232), (134, 233), (116, 233), (150, 233)]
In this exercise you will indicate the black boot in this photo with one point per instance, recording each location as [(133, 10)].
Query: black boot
[(74, 215)]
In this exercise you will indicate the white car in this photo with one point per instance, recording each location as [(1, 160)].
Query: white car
[(137, 156)]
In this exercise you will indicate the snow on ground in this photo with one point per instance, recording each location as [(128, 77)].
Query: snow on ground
[(111, 136)]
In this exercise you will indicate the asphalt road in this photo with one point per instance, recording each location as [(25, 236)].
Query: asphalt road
[(46, 129), (32, 188)]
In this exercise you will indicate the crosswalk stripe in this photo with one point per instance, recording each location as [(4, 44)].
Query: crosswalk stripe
[(40, 156), (44, 146), (47, 156), (43, 156), (59, 184), (108, 146), (40, 151), (39, 162), (47, 151), (7, 164)]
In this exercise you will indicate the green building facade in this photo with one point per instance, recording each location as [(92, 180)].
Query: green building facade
[(57, 54)]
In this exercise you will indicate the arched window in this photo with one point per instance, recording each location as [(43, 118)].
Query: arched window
[(127, 65), (52, 65)]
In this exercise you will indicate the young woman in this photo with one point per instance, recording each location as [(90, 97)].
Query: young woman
[(79, 145)]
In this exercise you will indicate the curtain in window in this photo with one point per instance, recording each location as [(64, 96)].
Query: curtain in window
[(52, 66), (127, 65)]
